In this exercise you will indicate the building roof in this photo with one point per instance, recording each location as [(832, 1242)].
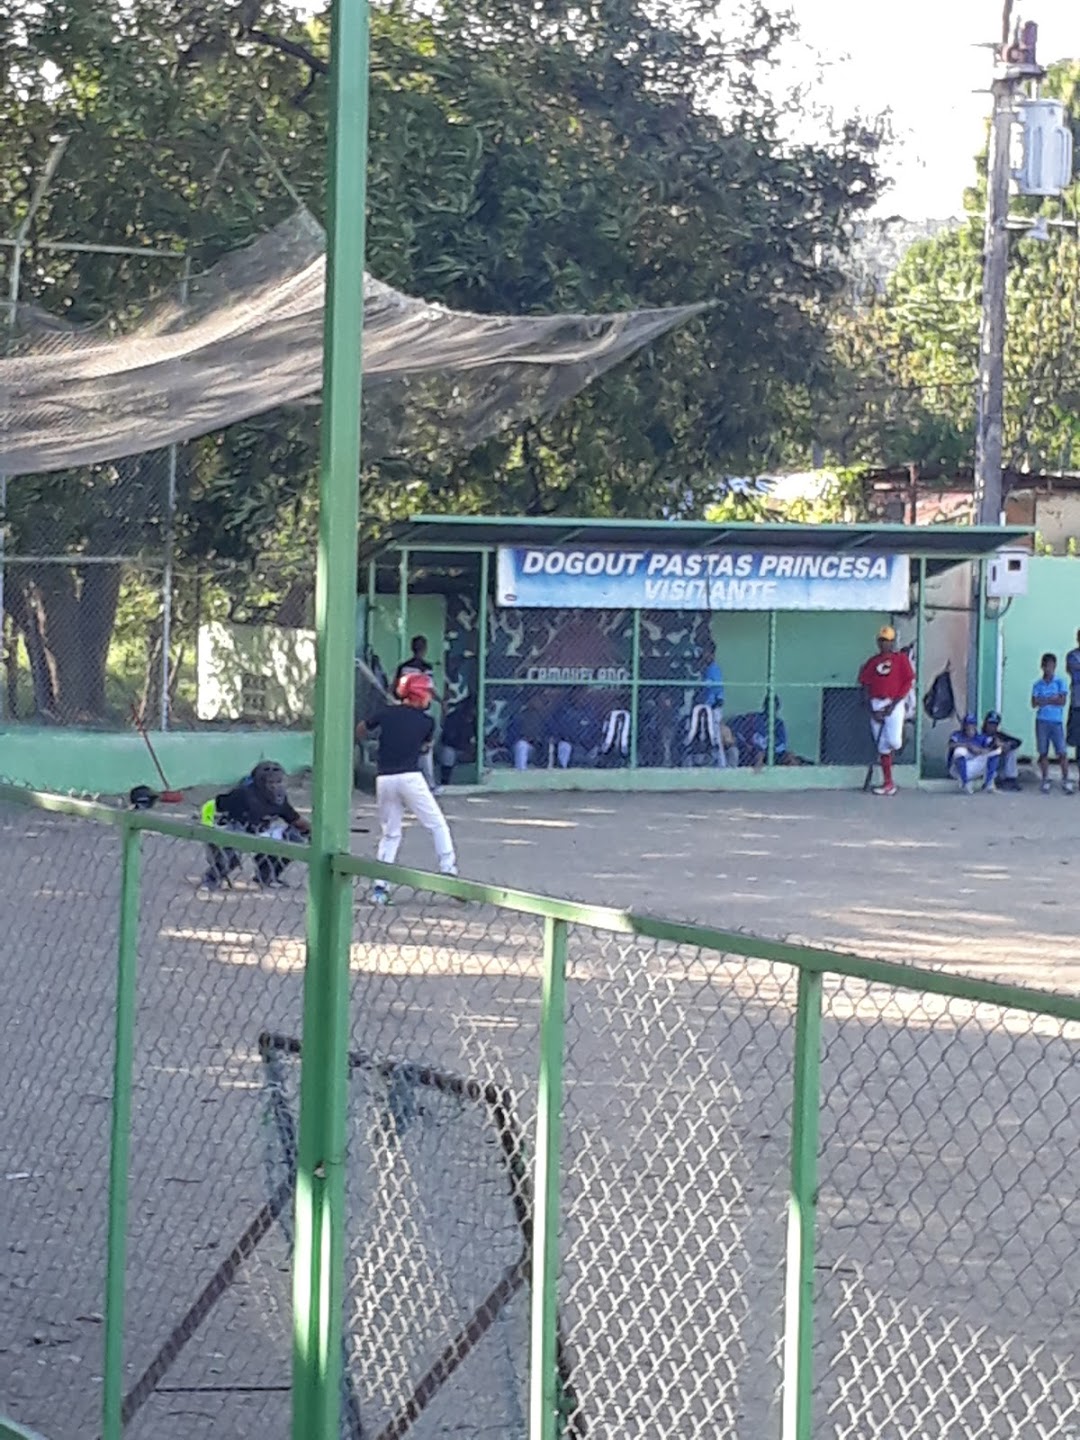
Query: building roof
[(941, 545)]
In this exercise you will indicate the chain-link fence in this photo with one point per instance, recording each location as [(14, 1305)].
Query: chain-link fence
[(604, 1176), (86, 639)]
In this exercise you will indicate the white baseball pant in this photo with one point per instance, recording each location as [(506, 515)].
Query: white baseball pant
[(394, 794), (975, 767), (887, 730)]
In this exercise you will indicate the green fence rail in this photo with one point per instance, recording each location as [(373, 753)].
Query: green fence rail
[(600, 1173)]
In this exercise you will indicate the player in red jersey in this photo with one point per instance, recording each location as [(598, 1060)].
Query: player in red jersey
[(887, 679)]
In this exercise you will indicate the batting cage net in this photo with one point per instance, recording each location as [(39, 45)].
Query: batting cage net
[(777, 1171)]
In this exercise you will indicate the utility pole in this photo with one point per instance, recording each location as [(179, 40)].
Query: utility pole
[(1014, 66)]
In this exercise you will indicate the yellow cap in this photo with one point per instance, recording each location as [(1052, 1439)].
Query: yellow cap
[(886, 633)]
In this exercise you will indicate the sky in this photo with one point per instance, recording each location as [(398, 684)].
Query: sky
[(918, 60)]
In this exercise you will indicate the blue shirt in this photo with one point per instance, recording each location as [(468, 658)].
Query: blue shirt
[(1072, 664), (973, 742), (1044, 690), (752, 737), (713, 694)]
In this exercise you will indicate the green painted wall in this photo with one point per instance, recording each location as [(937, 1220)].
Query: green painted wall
[(426, 615), (1046, 618), (814, 651), (91, 763)]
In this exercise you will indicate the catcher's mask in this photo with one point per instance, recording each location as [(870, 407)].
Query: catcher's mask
[(268, 777)]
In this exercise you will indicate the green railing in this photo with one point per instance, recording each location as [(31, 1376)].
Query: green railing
[(600, 1127)]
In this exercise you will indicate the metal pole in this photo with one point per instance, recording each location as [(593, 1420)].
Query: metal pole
[(403, 603), (18, 245), (980, 604), (635, 678), (318, 1264), (770, 694), (170, 547), (543, 1349), (989, 438), (920, 638), (802, 1211), (120, 1137), (1014, 67), (481, 663)]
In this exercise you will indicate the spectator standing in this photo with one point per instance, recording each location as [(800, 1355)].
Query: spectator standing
[(1072, 729), (1049, 696)]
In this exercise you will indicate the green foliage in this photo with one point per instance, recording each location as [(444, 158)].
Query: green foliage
[(524, 157), (905, 365)]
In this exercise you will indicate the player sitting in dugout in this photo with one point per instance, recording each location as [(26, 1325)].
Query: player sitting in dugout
[(259, 805), (751, 734)]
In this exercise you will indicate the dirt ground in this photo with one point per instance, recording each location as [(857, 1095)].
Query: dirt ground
[(985, 884), (949, 1219)]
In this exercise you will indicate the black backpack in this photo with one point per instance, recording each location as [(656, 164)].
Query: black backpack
[(939, 702)]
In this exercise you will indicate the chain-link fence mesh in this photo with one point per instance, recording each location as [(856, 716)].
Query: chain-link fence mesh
[(946, 1294), (442, 1112), (84, 644), (614, 689), (949, 1296), (675, 1154), (59, 903), (211, 1180)]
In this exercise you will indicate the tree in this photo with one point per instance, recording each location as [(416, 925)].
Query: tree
[(524, 157), (908, 359)]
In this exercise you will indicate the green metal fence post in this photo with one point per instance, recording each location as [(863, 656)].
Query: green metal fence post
[(543, 1365), (481, 661), (802, 1210), (403, 604), (635, 679), (770, 692), (318, 1264), (920, 639), (120, 1138)]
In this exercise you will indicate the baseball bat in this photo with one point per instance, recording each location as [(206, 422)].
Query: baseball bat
[(168, 795)]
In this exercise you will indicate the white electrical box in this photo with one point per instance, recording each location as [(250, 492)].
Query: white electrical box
[(1047, 165), (1007, 574)]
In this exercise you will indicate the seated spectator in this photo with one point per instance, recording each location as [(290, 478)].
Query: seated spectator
[(751, 735), (572, 731), (1008, 775), (658, 724), (972, 756)]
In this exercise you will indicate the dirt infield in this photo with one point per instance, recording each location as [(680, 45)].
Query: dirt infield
[(985, 884), (950, 1139)]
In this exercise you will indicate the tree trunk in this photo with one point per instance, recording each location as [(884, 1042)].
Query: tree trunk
[(70, 615), (24, 617)]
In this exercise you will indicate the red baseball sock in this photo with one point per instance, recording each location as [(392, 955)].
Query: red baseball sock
[(886, 769)]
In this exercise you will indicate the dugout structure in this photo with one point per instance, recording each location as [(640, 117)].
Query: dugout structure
[(575, 651)]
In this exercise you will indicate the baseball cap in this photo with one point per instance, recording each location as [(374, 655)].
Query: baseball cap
[(886, 633), (992, 718), (970, 719)]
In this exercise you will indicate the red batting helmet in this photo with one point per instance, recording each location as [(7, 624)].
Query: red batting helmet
[(416, 690)]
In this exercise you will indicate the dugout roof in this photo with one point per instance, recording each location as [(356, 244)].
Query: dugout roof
[(942, 546)]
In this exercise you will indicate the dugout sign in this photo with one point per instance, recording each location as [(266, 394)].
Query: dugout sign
[(548, 578)]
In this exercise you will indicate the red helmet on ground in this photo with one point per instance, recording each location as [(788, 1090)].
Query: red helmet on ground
[(417, 690)]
